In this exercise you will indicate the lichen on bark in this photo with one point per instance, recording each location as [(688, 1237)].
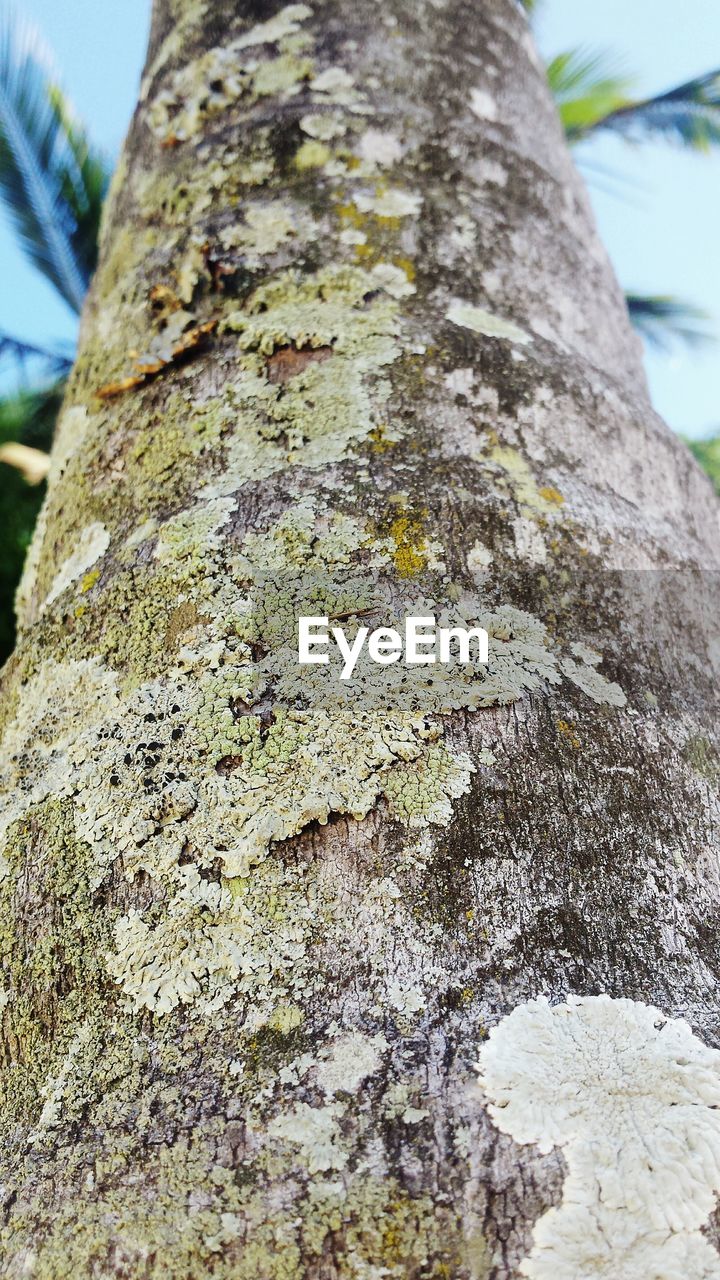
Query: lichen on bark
[(251, 926)]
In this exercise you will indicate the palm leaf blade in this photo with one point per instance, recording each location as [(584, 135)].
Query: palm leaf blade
[(32, 163), (664, 320), (688, 115), (587, 88)]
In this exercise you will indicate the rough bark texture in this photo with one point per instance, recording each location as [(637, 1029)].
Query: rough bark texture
[(253, 929)]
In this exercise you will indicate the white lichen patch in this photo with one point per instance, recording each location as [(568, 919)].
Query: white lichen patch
[(483, 105), (315, 1133), (378, 149), (586, 676), (323, 127), (478, 559), (529, 542), (348, 1061), (405, 998), (74, 426), (393, 280), (460, 382), (632, 1099), (265, 228), (92, 543), (392, 202), (468, 316)]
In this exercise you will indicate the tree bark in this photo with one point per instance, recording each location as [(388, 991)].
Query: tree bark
[(255, 924)]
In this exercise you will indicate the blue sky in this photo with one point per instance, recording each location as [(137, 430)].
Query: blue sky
[(656, 207)]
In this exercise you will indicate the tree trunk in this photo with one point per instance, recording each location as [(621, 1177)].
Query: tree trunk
[(353, 350)]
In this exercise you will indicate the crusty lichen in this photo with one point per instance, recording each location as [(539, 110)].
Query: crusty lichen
[(480, 321), (632, 1099), (93, 542), (225, 74), (231, 749)]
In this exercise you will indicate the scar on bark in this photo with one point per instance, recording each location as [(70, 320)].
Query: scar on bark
[(148, 367), (287, 362)]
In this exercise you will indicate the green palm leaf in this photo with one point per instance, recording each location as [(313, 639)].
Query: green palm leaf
[(50, 179), (592, 95), (664, 321), (22, 353), (587, 89), (688, 115), (26, 417), (84, 178), (707, 453)]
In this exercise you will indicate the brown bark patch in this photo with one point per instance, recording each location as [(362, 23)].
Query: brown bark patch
[(181, 620), (288, 362)]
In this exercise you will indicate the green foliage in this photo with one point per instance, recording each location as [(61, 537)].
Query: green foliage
[(707, 453), (688, 115), (663, 320), (51, 180), (26, 418), (586, 89), (591, 95), (24, 353)]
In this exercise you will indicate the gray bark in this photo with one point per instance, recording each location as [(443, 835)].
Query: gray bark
[(252, 936)]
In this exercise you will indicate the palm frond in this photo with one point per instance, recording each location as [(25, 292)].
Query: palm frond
[(48, 175), (587, 89), (688, 115), (85, 176), (707, 452), (22, 352), (28, 418), (663, 321)]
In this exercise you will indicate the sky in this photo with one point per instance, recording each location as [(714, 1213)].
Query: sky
[(656, 207)]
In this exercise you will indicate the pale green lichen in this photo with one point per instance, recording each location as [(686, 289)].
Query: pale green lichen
[(324, 127), (92, 543), (206, 941), (468, 316), (351, 316), (517, 474), (231, 750), (315, 1131), (390, 202), (53, 709), (592, 683), (224, 75), (265, 228)]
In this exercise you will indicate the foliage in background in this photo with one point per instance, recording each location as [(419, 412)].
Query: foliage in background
[(663, 320), (27, 417), (53, 183), (52, 180), (707, 453)]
